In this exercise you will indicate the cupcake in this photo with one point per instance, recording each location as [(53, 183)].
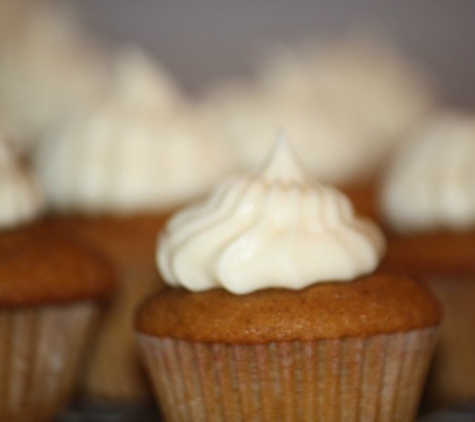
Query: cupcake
[(50, 290), (112, 177), (386, 92), (428, 202), (275, 309)]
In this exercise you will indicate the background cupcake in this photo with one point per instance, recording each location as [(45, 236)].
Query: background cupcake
[(114, 174), (348, 104), (275, 309), (50, 288), (429, 204)]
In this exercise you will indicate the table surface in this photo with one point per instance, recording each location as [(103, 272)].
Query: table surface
[(91, 412)]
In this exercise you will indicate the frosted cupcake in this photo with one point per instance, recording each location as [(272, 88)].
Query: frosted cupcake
[(275, 309), (50, 290), (113, 176), (428, 201)]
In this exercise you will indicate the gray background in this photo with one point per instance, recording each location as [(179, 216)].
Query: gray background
[(203, 39)]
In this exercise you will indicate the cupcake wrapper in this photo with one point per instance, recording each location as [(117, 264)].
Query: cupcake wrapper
[(452, 373), (40, 348), (379, 378)]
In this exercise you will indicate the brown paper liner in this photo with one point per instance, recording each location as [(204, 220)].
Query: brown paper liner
[(452, 373), (40, 349), (379, 378)]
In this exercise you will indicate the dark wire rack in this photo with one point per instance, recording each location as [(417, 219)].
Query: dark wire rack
[(106, 412), (100, 412)]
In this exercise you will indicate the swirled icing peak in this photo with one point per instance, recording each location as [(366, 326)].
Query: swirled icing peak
[(141, 81), (20, 198), (430, 184), (273, 228)]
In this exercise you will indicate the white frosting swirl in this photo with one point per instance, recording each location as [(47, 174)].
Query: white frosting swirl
[(270, 229), (20, 198), (368, 79), (430, 184), (120, 160)]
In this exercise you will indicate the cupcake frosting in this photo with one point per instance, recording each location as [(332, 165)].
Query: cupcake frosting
[(430, 184), (121, 160), (141, 148), (142, 82), (387, 93), (20, 198), (347, 104), (273, 228)]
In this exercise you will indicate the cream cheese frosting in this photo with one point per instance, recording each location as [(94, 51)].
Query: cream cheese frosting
[(142, 148), (273, 228), (347, 104), (385, 91), (121, 161), (20, 197), (430, 184)]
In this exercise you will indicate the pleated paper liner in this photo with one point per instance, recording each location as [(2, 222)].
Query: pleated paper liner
[(379, 378), (40, 350), (452, 374)]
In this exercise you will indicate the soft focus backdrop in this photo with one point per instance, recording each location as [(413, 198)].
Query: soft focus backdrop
[(201, 39)]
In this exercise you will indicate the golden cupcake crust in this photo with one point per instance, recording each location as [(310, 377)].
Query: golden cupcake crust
[(38, 265), (376, 304), (117, 236), (432, 254)]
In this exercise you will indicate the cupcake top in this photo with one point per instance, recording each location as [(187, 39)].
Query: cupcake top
[(429, 186), (20, 198), (273, 228), (39, 265), (141, 149), (378, 303)]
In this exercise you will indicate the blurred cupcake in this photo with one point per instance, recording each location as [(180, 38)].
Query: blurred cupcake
[(275, 310), (49, 67), (113, 176), (50, 288), (346, 104), (428, 200), (384, 92)]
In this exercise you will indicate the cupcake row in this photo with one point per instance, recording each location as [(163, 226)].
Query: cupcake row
[(276, 283)]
